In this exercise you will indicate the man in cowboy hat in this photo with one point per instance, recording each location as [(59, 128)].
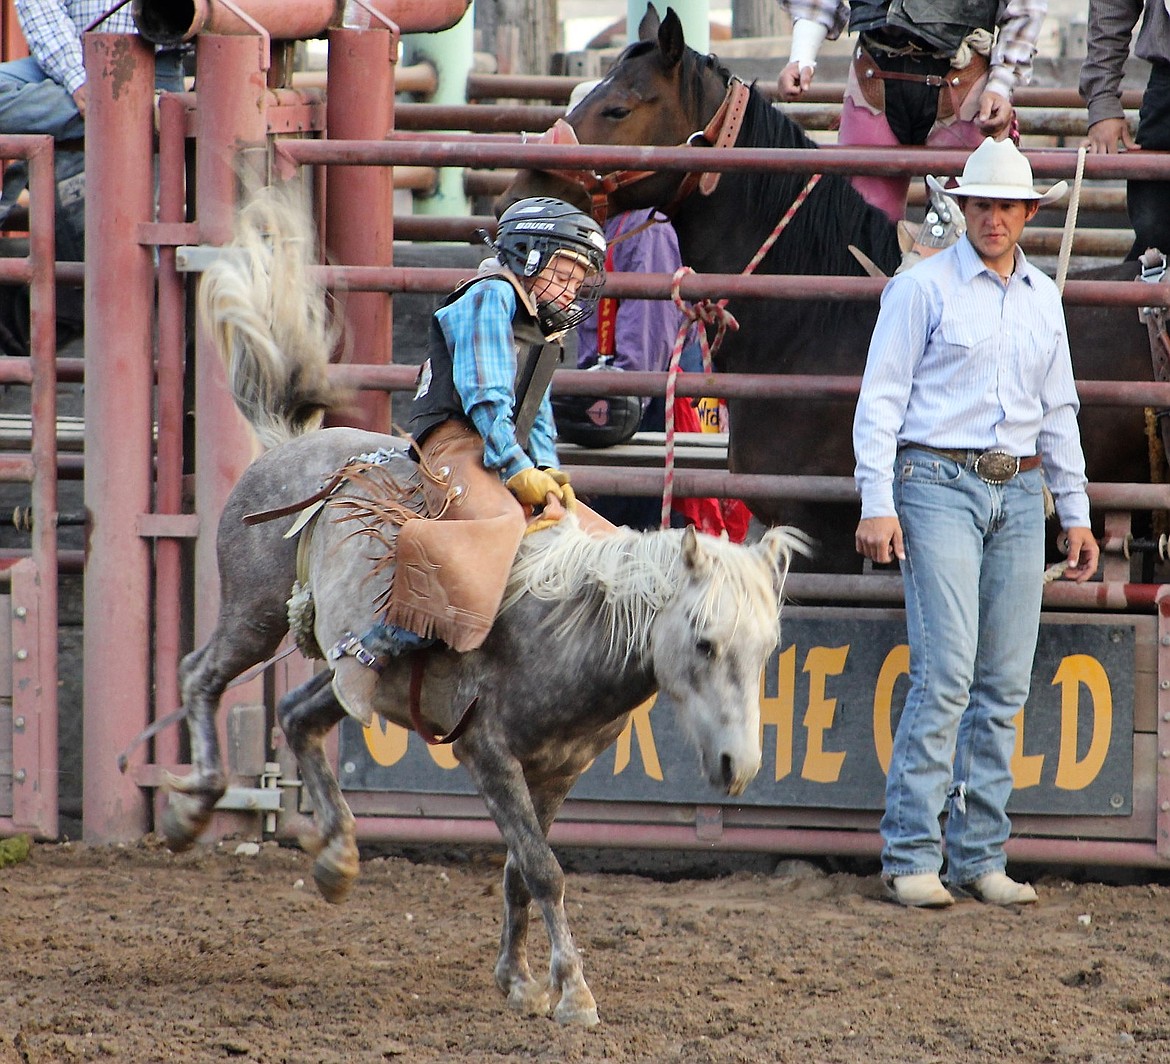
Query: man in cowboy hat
[(967, 409)]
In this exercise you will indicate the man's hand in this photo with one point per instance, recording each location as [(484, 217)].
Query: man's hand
[(994, 117), (880, 539), (1081, 553), (79, 98), (1110, 136), (794, 81)]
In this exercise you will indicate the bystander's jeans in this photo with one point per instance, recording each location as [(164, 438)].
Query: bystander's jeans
[(973, 577)]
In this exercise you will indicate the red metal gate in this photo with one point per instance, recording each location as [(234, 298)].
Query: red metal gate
[(131, 513)]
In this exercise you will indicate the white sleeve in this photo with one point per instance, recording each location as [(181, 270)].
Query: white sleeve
[(807, 37)]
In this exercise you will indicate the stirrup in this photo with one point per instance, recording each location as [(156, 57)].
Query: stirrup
[(350, 645)]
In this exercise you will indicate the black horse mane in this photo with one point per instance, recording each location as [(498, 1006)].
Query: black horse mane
[(834, 216)]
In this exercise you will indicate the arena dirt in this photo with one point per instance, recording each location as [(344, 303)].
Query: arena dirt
[(133, 954)]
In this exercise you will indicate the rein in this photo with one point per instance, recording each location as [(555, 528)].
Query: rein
[(707, 312)]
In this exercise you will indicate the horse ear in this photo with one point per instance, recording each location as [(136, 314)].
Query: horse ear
[(694, 557), (648, 27), (670, 39), (778, 546)]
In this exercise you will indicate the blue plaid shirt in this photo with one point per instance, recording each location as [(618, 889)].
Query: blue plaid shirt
[(478, 331), (52, 29)]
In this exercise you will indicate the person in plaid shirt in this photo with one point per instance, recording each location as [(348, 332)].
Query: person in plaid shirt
[(45, 92), (940, 74)]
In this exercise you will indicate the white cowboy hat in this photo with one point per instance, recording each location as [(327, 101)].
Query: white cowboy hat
[(998, 170), (580, 91)]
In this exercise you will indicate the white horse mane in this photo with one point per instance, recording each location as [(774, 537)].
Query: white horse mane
[(622, 580)]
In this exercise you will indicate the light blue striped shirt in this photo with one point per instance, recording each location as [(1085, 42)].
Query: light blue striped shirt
[(959, 361), (478, 331)]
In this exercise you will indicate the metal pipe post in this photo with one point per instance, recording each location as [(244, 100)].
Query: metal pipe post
[(231, 127), (359, 211), (119, 375)]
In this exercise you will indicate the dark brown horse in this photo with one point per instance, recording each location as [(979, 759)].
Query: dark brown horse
[(660, 92)]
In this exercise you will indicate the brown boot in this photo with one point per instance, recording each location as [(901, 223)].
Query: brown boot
[(354, 684)]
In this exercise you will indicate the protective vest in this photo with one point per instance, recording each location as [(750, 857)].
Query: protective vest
[(940, 23), (436, 399)]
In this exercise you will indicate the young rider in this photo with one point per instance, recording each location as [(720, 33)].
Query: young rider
[(482, 425)]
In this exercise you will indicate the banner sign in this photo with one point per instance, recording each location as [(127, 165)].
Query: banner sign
[(830, 697)]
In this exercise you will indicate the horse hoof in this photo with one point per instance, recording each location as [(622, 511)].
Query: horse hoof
[(182, 823), (576, 1017), (529, 999), (334, 871), (577, 1007)]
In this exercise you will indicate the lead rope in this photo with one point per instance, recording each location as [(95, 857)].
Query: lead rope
[(1070, 221), (707, 312)]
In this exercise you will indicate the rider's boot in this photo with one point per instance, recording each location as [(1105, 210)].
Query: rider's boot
[(358, 663)]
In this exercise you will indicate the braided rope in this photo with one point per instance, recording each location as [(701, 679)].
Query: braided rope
[(1070, 221), (705, 313)]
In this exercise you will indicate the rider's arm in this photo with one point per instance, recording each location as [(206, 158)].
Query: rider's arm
[(478, 330)]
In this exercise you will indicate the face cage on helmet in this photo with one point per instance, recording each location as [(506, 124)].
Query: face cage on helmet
[(554, 319)]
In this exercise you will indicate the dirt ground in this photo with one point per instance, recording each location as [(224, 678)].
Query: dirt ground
[(134, 954)]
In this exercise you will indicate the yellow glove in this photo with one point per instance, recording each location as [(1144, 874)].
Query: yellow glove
[(530, 486), (568, 495)]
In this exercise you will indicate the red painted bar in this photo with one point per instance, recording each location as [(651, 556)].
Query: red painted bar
[(168, 498), (558, 87), (359, 217), (697, 286), (170, 23), (806, 841), (231, 127), (119, 375), (1047, 163)]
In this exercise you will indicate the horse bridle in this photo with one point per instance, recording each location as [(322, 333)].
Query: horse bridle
[(721, 131)]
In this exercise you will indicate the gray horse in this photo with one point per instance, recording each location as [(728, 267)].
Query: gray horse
[(589, 629)]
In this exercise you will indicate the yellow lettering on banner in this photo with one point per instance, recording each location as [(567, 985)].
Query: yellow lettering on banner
[(386, 742), (896, 665), (1026, 768), (639, 722), (820, 765), (779, 710), (1077, 669), (443, 756)]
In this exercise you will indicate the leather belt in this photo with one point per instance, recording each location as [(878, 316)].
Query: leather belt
[(994, 466)]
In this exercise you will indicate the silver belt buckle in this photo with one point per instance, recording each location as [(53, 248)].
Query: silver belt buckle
[(996, 467)]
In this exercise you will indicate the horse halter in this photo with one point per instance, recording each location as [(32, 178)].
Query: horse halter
[(721, 131)]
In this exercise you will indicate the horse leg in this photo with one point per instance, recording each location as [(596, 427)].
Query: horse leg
[(306, 716), (532, 873), (204, 675), (513, 975)]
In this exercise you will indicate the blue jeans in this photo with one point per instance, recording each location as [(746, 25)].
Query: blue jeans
[(31, 102), (973, 576)]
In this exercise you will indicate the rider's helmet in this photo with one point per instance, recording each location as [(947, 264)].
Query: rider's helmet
[(531, 232)]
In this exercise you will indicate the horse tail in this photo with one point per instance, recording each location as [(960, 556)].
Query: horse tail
[(270, 320)]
